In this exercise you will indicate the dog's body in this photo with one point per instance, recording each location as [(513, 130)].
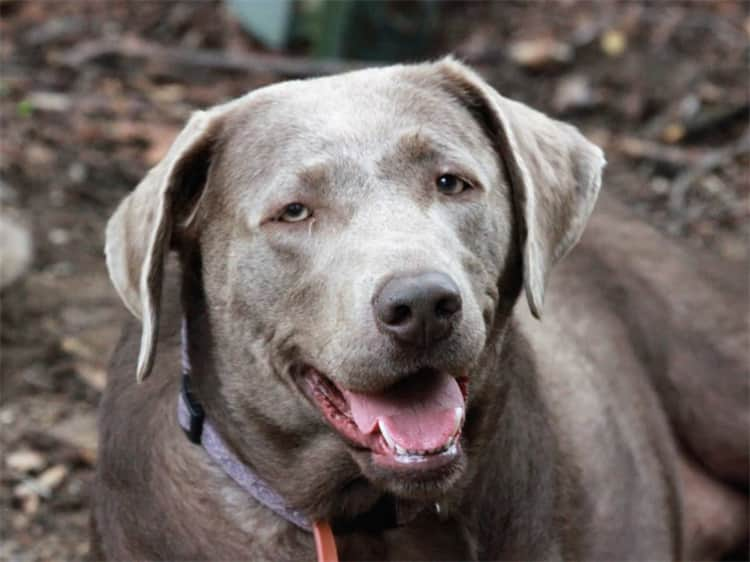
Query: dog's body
[(593, 434)]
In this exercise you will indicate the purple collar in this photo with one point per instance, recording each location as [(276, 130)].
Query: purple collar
[(201, 431)]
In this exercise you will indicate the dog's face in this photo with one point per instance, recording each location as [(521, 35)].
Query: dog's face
[(351, 246)]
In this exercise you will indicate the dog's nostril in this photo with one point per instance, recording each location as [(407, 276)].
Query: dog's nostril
[(448, 306), (399, 314)]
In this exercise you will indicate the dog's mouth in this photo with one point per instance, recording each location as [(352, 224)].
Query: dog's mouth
[(413, 425)]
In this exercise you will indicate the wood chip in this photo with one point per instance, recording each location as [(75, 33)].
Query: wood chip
[(30, 504), (614, 43), (573, 92), (540, 53), (51, 478), (78, 348), (43, 485), (50, 101), (79, 432), (25, 460), (673, 133), (92, 375), (16, 249)]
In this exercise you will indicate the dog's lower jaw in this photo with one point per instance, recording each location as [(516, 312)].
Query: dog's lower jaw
[(430, 486)]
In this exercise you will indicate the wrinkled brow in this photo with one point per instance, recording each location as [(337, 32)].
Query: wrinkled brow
[(314, 175), (413, 148), (417, 147)]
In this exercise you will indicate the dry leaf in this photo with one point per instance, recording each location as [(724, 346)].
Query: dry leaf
[(573, 92), (78, 348), (538, 53), (25, 460), (30, 504), (614, 43), (52, 478), (92, 375), (79, 432), (673, 133)]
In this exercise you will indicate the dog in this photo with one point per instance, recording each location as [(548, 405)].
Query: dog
[(368, 310)]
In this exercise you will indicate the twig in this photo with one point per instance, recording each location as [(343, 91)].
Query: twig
[(711, 120), (293, 67), (708, 163), (670, 156)]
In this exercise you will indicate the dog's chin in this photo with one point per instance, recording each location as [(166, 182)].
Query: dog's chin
[(407, 439), (428, 482)]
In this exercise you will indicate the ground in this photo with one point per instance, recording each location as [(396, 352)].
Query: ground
[(91, 95)]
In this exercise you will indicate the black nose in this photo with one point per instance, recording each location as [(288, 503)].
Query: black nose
[(418, 309)]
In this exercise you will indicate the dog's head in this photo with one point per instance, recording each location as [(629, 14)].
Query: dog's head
[(351, 247)]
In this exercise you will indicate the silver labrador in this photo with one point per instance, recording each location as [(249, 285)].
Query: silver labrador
[(351, 252)]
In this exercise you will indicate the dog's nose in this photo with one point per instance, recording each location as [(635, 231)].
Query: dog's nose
[(418, 309)]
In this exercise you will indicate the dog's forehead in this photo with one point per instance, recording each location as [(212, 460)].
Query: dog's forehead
[(348, 101), (353, 114)]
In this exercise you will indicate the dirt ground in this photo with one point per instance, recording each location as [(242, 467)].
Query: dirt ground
[(92, 93)]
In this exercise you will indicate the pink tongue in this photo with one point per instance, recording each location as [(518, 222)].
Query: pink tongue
[(419, 413)]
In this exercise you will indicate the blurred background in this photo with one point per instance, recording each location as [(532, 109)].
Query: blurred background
[(92, 94)]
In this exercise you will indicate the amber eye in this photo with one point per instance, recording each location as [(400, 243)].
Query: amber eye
[(448, 184), (295, 212)]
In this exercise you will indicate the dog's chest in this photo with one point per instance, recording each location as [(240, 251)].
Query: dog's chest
[(430, 540)]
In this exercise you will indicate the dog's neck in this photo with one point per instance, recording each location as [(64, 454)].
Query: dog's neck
[(386, 513), (202, 432)]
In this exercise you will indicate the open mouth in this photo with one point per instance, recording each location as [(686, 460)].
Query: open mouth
[(414, 424)]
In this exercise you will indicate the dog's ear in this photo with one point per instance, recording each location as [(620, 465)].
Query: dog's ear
[(141, 230), (554, 171)]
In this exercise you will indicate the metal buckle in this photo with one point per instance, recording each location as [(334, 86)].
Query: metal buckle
[(195, 410)]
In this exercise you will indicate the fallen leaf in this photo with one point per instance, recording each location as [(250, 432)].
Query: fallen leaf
[(614, 43), (538, 53), (78, 347), (52, 478), (171, 93), (38, 154), (573, 92), (50, 101), (16, 249), (25, 460), (79, 432), (43, 485), (92, 375), (30, 504), (673, 133)]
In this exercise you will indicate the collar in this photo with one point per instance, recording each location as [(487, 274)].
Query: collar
[(387, 513), (202, 432)]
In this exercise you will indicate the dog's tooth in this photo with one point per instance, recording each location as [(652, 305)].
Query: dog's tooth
[(400, 450), (387, 436), (459, 413)]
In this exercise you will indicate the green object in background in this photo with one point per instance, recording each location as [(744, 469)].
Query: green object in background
[(24, 108), (267, 20), (380, 30)]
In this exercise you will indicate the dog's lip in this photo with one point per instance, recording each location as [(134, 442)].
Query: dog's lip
[(330, 399)]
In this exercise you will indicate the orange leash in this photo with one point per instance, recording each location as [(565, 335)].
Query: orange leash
[(325, 544)]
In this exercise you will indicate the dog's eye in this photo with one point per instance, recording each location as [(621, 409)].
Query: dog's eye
[(295, 212), (448, 184)]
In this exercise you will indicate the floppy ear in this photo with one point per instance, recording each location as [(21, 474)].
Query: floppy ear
[(554, 171), (140, 231)]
